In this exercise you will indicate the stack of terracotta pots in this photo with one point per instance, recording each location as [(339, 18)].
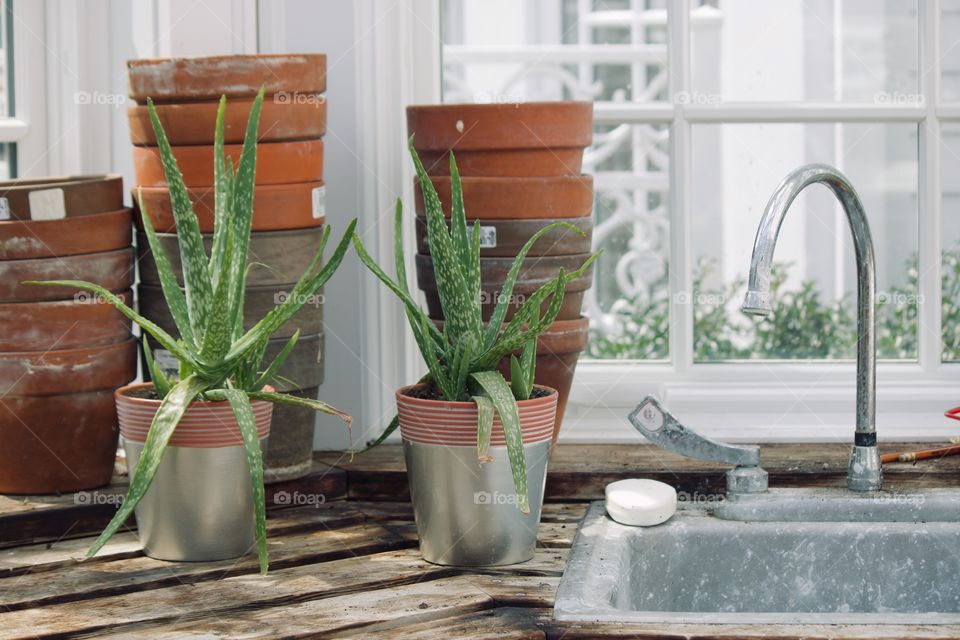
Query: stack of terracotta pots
[(288, 201), (520, 167), (63, 352)]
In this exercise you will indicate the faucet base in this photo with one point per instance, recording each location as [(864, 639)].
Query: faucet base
[(864, 472), (746, 480)]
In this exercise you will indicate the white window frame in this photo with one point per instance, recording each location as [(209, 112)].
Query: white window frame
[(778, 401)]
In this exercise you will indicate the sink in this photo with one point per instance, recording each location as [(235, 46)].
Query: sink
[(783, 557)]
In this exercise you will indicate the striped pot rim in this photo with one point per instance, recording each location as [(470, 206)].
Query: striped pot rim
[(455, 423), (204, 425)]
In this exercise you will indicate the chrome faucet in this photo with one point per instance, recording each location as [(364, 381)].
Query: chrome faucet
[(864, 472)]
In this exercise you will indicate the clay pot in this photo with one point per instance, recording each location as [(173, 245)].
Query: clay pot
[(290, 454), (110, 269), (57, 443), (558, 350), (49, 373), (515, 198), (505, 238), (62, 324), (277, 163), (193, 123), (257, 302), (534, 273), (75, 234), (529, 139), (207, 78), (82, 195), (275, 207), (278, 257)]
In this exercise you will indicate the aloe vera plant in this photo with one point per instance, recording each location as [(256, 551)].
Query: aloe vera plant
[(462, 358), (218, 360)]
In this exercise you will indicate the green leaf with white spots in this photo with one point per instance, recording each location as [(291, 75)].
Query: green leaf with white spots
[(271, 371), (158, 376), (484, 427)]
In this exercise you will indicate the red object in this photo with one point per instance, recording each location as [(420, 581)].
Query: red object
[(953, 413)]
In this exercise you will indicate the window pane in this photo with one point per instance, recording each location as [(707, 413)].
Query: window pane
[(736, 169), (950, 49), (817, 50), (950, 242)]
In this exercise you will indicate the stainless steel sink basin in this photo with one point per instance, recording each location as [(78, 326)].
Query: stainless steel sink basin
[(898, 562)]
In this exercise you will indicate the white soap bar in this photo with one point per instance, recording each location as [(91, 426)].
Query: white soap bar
[(642, 503)]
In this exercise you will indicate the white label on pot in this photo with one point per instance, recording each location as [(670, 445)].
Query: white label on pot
[(488, 237), (47, 204), (319, 206), (4, 209), (167, 362)]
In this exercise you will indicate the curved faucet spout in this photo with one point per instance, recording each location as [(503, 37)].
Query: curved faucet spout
[(864, 473)]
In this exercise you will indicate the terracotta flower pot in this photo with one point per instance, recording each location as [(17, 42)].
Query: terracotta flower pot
[(82, 195), (278, 257), (277, 163), (66, 371), (110, 269), (504, 238), (258, 301), (466, 511), (534, 273), (207, 78), (193, 123), (200, 504), (57, 443), (67, 324), (515, 198), (275, 207), (75, 234), (529, 139)]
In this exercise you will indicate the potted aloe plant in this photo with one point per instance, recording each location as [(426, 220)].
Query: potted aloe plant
[(476, 445), (194, 441)]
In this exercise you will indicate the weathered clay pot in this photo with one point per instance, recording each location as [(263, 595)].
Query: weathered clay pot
[(207, 78), (534, 273), (275, 207), (516, 198), (278, 257), (64, 324), (110, 269), (75, 234), (192, 123), (57, 443), (505, 238), (49, 373), (82, 195), (290, 454), (529, 139), (257, 302), (277, 163)]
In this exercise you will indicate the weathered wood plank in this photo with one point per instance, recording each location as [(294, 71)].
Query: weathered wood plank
[(501, 622)]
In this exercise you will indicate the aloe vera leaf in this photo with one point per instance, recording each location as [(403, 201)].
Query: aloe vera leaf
[(458, 224), (297, 401), (160, 381), (172, 293), (172, 408), (193, 258), (516, 379), (391, 427), (219, 331), (500, 395), (243, 413), (506, 291), (484, 427), (167, 341), (450, 273), (509, 344), (528, 363), (440, 377), (271, 370), (221, 195)]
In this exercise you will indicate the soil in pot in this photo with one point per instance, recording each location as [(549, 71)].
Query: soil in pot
[(193, 123), (73, 235), (82, 195), (236, 76), (277, 163), (110, 269), (516, 197), (84, 321), (534, 273), (275, 207), (501, 238)]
